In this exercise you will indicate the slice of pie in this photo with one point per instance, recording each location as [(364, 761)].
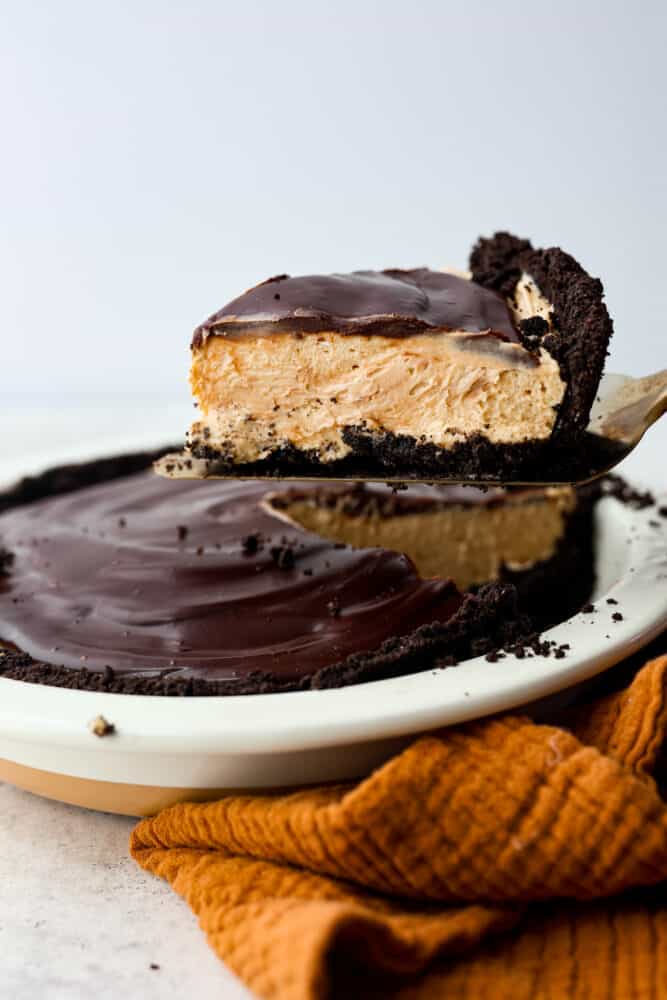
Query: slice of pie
[(405, 374)]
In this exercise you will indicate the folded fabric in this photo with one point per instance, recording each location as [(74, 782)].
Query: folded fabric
[(479, 862)]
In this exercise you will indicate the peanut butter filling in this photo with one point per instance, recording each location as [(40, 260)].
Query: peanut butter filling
[(470, 544)]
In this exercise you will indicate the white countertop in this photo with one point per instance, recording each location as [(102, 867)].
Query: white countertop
[(78, 918)]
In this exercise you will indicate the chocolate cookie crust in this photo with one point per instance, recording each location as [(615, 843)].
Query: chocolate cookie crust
[(381, 454), (580, 324)]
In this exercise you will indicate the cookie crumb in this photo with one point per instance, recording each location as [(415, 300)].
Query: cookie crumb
[(6, 560), (333, 607), (250, 544), (494, 656), (617, 616), (612, 600), (532, 331), (615, 486), (182, 532), (101, 727), (154, 966)]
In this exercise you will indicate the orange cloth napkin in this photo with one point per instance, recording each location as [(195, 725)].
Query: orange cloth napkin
[(477, 863)]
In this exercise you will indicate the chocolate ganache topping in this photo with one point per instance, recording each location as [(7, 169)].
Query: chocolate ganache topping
[(198, 579), (390, 303)]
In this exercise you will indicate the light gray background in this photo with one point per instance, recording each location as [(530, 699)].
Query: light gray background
[(158, 158)]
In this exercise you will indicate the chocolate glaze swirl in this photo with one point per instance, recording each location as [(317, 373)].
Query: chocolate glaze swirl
[(389, 303), (149, 577)]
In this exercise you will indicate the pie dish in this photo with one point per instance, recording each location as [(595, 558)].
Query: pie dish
[(161, 750)]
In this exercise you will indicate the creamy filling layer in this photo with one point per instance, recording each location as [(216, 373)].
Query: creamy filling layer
[(470, 544), (527, 301), (255, 394)]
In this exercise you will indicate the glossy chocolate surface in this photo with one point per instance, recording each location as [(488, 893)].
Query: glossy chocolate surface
[(389, 303), (202, 579)]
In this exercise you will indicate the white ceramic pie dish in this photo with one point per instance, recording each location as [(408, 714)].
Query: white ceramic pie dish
[(166, 749)]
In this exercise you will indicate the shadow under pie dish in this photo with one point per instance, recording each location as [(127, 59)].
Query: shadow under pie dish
[(408, 374), (114, 580)]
